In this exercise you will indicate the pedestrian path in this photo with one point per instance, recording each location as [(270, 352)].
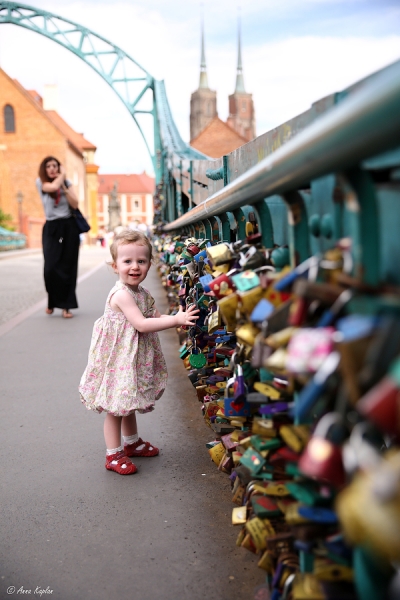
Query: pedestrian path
[(80, 531), (21, 277)]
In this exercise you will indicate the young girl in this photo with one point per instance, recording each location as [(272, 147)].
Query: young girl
[(126, 370)]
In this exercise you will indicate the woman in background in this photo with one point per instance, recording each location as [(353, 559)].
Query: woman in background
[(60, 236)]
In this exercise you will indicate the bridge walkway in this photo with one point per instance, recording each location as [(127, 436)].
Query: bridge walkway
[(69, 525)]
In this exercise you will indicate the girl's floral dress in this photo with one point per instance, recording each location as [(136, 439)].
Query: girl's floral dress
[(126, 369)]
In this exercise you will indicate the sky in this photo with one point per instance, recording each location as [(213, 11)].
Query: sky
[(294, 53)]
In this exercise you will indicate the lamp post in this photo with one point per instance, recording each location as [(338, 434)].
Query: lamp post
[(20, 197)]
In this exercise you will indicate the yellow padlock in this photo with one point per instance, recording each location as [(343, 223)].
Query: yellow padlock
[(239, 515), (295, 436), (307, 587), (228, 307), (246, 334), (263, 427), (280, 338), (249, 300), (268, 390)]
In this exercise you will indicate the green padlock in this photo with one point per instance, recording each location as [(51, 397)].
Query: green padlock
[(197, 359), (247, 280), (203, 302)]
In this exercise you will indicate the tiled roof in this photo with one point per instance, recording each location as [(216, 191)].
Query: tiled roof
[(139, 183), (36, 96), (217, 139), (77, 139)]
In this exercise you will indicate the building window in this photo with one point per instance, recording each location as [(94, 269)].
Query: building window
[(9, 119), (136, 203), (244, 106)]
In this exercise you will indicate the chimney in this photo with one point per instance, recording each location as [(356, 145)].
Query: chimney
[(50, 97)]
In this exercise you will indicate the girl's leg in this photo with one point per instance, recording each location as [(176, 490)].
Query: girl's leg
[(133, 444), (116, 459), (129, 425), (112, 431)]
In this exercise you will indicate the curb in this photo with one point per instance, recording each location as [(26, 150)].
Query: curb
[(14, 253)]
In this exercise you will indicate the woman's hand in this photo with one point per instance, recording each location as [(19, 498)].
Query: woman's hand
[(57, 183), (189, 317)]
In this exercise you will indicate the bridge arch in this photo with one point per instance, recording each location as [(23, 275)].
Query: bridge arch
[(133, 84)]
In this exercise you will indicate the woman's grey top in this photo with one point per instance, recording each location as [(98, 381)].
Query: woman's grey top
[(51, 210)]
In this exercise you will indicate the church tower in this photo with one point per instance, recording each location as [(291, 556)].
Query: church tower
[(241, 107), (203, 102)]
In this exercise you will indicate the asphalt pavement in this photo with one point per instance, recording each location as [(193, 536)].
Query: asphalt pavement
[(70, 529)]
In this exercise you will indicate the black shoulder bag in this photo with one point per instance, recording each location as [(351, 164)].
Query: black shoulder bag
[(81, 223)]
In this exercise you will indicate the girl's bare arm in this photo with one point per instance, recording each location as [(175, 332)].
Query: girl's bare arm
[(122, 301), (158, 315)]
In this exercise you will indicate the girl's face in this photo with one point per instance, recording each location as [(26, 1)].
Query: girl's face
[(52, 169), (132, 264)]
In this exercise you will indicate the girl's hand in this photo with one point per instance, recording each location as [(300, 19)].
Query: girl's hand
[(189, 317), (62, 172)]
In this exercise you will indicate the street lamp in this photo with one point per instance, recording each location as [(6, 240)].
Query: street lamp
[(20, 197)]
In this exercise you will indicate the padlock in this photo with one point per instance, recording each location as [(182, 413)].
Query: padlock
[(359, 452), (246, 281), (310, 393), (308, 348), (262, 311), (246, 334), (196, 358), (264, 507), (235, 403), (306, 586), (295, 436), (193, 249), (222, 286), (214, 320), (381, 404), (322, 458), (302, 270), (252, 259), (248, 300), (219, 254), (369, 509)]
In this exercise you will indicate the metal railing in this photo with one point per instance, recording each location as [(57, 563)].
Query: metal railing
[(361, 126)]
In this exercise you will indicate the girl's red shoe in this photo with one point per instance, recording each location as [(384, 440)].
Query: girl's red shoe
[(120, 463), (145, 449)]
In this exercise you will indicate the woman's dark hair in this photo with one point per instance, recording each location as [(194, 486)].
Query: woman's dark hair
[(42, 169)]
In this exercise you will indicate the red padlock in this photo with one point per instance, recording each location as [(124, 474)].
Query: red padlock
[(193, 249), (322, 459), (222, 286), (381, 404)]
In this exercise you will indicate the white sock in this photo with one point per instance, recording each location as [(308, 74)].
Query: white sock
[(111, 451), (130, 439)]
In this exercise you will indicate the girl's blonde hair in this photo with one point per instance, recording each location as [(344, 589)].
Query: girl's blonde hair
[(130, 236)]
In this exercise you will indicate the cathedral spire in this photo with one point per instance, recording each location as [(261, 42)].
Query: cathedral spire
[(203, 67), (239, 73)]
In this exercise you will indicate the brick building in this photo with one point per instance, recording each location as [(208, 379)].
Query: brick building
[(134, 194), (208, 133), (30, 130)]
